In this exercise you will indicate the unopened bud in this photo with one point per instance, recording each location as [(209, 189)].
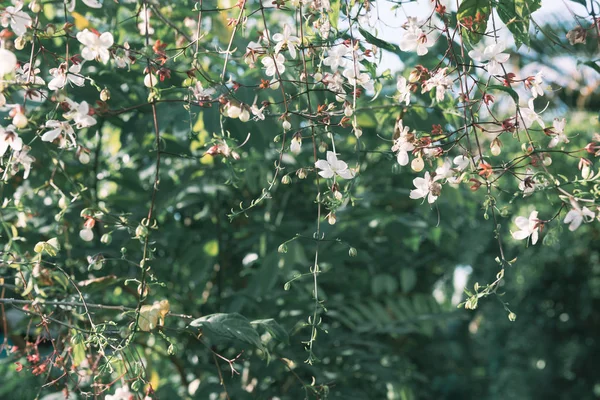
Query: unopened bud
[(331, 219), (301, 173), (20, 43), (352, 252), (141, 231), (19, 120), (417, 164), (286, 180), (105, 94), (84, 157)]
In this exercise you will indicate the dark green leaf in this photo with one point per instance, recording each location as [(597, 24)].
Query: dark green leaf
[(479, 12), (516, 15), (229, 326), (276, 330), (506, 89), (378, 42)]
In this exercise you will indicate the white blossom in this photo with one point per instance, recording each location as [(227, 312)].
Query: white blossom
[(527, 185), (529, 116), (335, 56), (494, 56), (286, 39), (80, 114), (559, 133), (332, 166), (18, 20), (89, 3), (22, 159), (61, 76), (528, 227), (8, 62), (402, 145), (404, 88), (416, 39), (274, 64), (95, 47), (440, 82), (200, 93), (578, 215), (362, 78), (9, 138), (426, 187), (58, 128), (536, 85)]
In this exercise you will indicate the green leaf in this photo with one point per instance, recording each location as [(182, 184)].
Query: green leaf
[(516, 15), (506, 89), (479, 11), (378, 42), (229, 326), (334, 14), (276, 330), (408, 279)]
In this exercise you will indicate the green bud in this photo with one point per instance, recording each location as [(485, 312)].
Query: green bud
[(352, 252)]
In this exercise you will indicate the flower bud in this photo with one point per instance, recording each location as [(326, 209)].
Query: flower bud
[(20, 43), (86, 234), (495, 147), (84, 157), (352, 252), (338, 195), (19, 120), (318, 76), (35, 7), (105, 94), (141, 231), (50, 30), (357, 132), (245, 115), (296, 145), (286, 180), (282, 248), (547, 161), (331, 219), (286, 125), (150, 80), (301, 173), (417, 164), (322, 147), (233, 110), (106, 238), (512, 316)]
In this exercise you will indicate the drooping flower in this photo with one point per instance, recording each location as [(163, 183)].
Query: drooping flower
[(335, 56), (559, 133), (9, 138), (404, 88), (61, 76), (200, 93), (58, 128), (18, 20), (22, 159), (80, 113), (535, 85), (440, 82), (529, 116), (416, 39), (528, 227), (494, 56), (578, 215), (402, 144), (426, 187), (332, 166), (274, 64), (25, 76), (361, 78), (527, 185), (296, 145), (286, 39), (95, 46), (8, 62)]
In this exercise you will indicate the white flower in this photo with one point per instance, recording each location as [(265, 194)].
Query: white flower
[(461, 162), (578, 215), (200, 93), (404, 88), (286, 39), (96, 47), (335, 83), (80, 114), (559, 130), (121, 393), (9, 138), (416, 39), (536, 85), (529, 116), (257, 112), (18, 20), (274, 64), (440, 82), (89, 3), (527, 184), (402, 145), (252, 51), (426, 188), (332, 166), (58, 128), (296, 145), (335, 56), (494, 55), (8, 62), (25, 76), (144, 24), (527, 227), (61, 76), (445, 171), (22, 158), (363, 79)]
